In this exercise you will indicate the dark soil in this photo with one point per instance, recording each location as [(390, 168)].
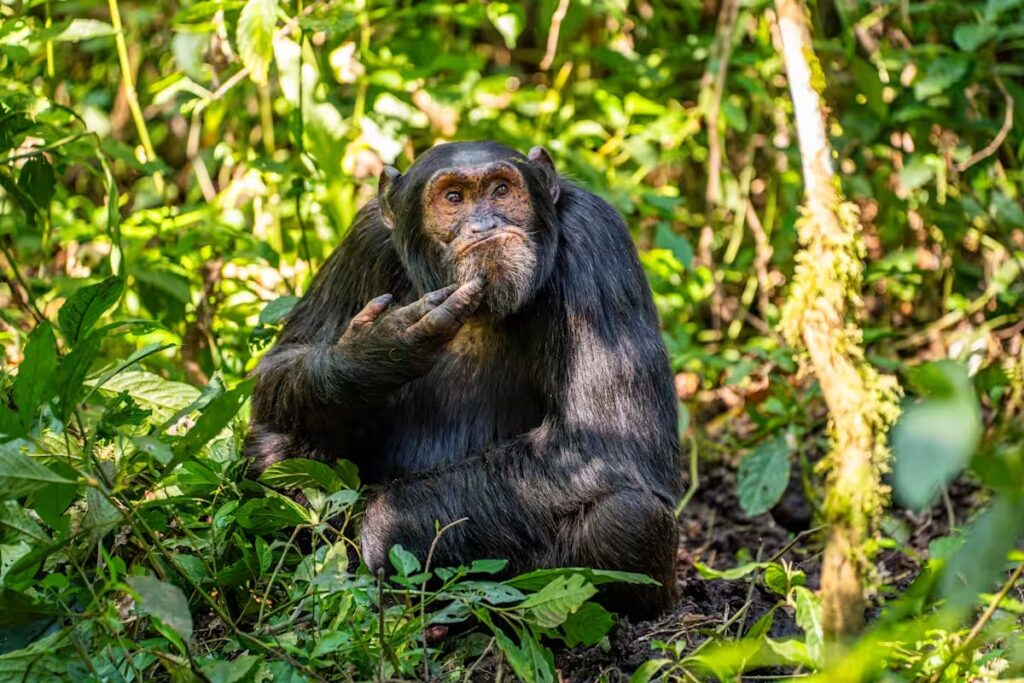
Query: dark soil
[(715, 531)]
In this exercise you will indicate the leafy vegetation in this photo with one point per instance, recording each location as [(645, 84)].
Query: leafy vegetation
[(172, 175)]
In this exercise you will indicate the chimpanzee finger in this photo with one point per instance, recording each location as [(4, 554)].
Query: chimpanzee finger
[(408, 315), (370, 312), (446, 319)]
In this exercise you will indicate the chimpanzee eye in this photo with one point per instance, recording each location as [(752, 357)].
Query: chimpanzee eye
[(501, 190), (453, 197)]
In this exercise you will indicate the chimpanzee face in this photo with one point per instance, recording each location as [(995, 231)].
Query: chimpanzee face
[(483, 210), (484, 221)]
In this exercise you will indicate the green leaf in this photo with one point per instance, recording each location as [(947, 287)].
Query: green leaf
[(539, 578), (792, 651), (969, 37), (19, 609), (762, 626), (295, 473), (20, 475), (487, 566), (277, 310), (14, 517), (215, 417), (808, 617), (486, 591), (916, 173), (271, 513), (164, 601), (729, 574), (648, 670), (934, 440), (43, 661), (556, 601), (163, 396), (236, 671), (37, 180), (508, 19), (404, 562), (348, 471), (665, 238), (122, 365), (71, 373), (776, 580), (255, 37), (85, 306), (34, 382), (84, 29), (531, 661), (587, 625), (154, 448), (981, 560), (764, 475), (735, 116), (10, 423), (941, 75)]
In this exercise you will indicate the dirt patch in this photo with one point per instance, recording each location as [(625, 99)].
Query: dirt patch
[(715, 531)]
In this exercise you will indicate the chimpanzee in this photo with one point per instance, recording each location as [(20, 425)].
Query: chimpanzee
[(483, 345)]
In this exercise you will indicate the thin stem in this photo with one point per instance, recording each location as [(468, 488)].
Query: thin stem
[(130, 93), (694, 481), (47, 23), (556, 26), (423, 587)]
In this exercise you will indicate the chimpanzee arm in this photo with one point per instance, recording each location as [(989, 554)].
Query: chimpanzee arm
[(596, 482), (303, 380)]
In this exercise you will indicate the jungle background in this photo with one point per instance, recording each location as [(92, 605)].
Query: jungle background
[(173, 172)]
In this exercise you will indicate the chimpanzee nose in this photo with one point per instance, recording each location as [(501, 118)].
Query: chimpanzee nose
[(484, 223)]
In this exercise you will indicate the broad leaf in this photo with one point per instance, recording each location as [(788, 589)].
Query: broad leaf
[(14, 518), (165, 601), (587, 625), (84, 307), (20, 475), (277, 310), (508, 19), (124, 364), (942, 74), (161, 395), (271, 513), (255, 37), (404, 562), (729, 574), (34, 382), (934, 439), (531, 661), (216, 416), (556, 601), (969, 37), (539, 578), (37, 180), (665, 238), (71, 373), (295, 473), (764, 475), (808, 617)]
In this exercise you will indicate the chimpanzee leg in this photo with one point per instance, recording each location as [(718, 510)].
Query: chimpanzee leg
[(632, 531)]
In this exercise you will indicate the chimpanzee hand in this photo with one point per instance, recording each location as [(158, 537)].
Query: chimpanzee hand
[(403, 343)]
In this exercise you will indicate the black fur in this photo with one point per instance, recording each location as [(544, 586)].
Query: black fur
[(556, 437)]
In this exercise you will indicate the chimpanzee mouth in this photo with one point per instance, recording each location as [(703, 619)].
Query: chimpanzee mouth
[(495, 236)]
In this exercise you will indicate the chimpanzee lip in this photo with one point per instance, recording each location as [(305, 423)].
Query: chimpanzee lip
[(494, 235)]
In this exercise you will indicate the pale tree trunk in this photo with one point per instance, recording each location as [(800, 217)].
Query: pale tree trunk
[(825, 291)]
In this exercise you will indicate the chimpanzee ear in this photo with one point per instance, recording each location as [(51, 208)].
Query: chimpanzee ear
[(387, 177), (540, 158)]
